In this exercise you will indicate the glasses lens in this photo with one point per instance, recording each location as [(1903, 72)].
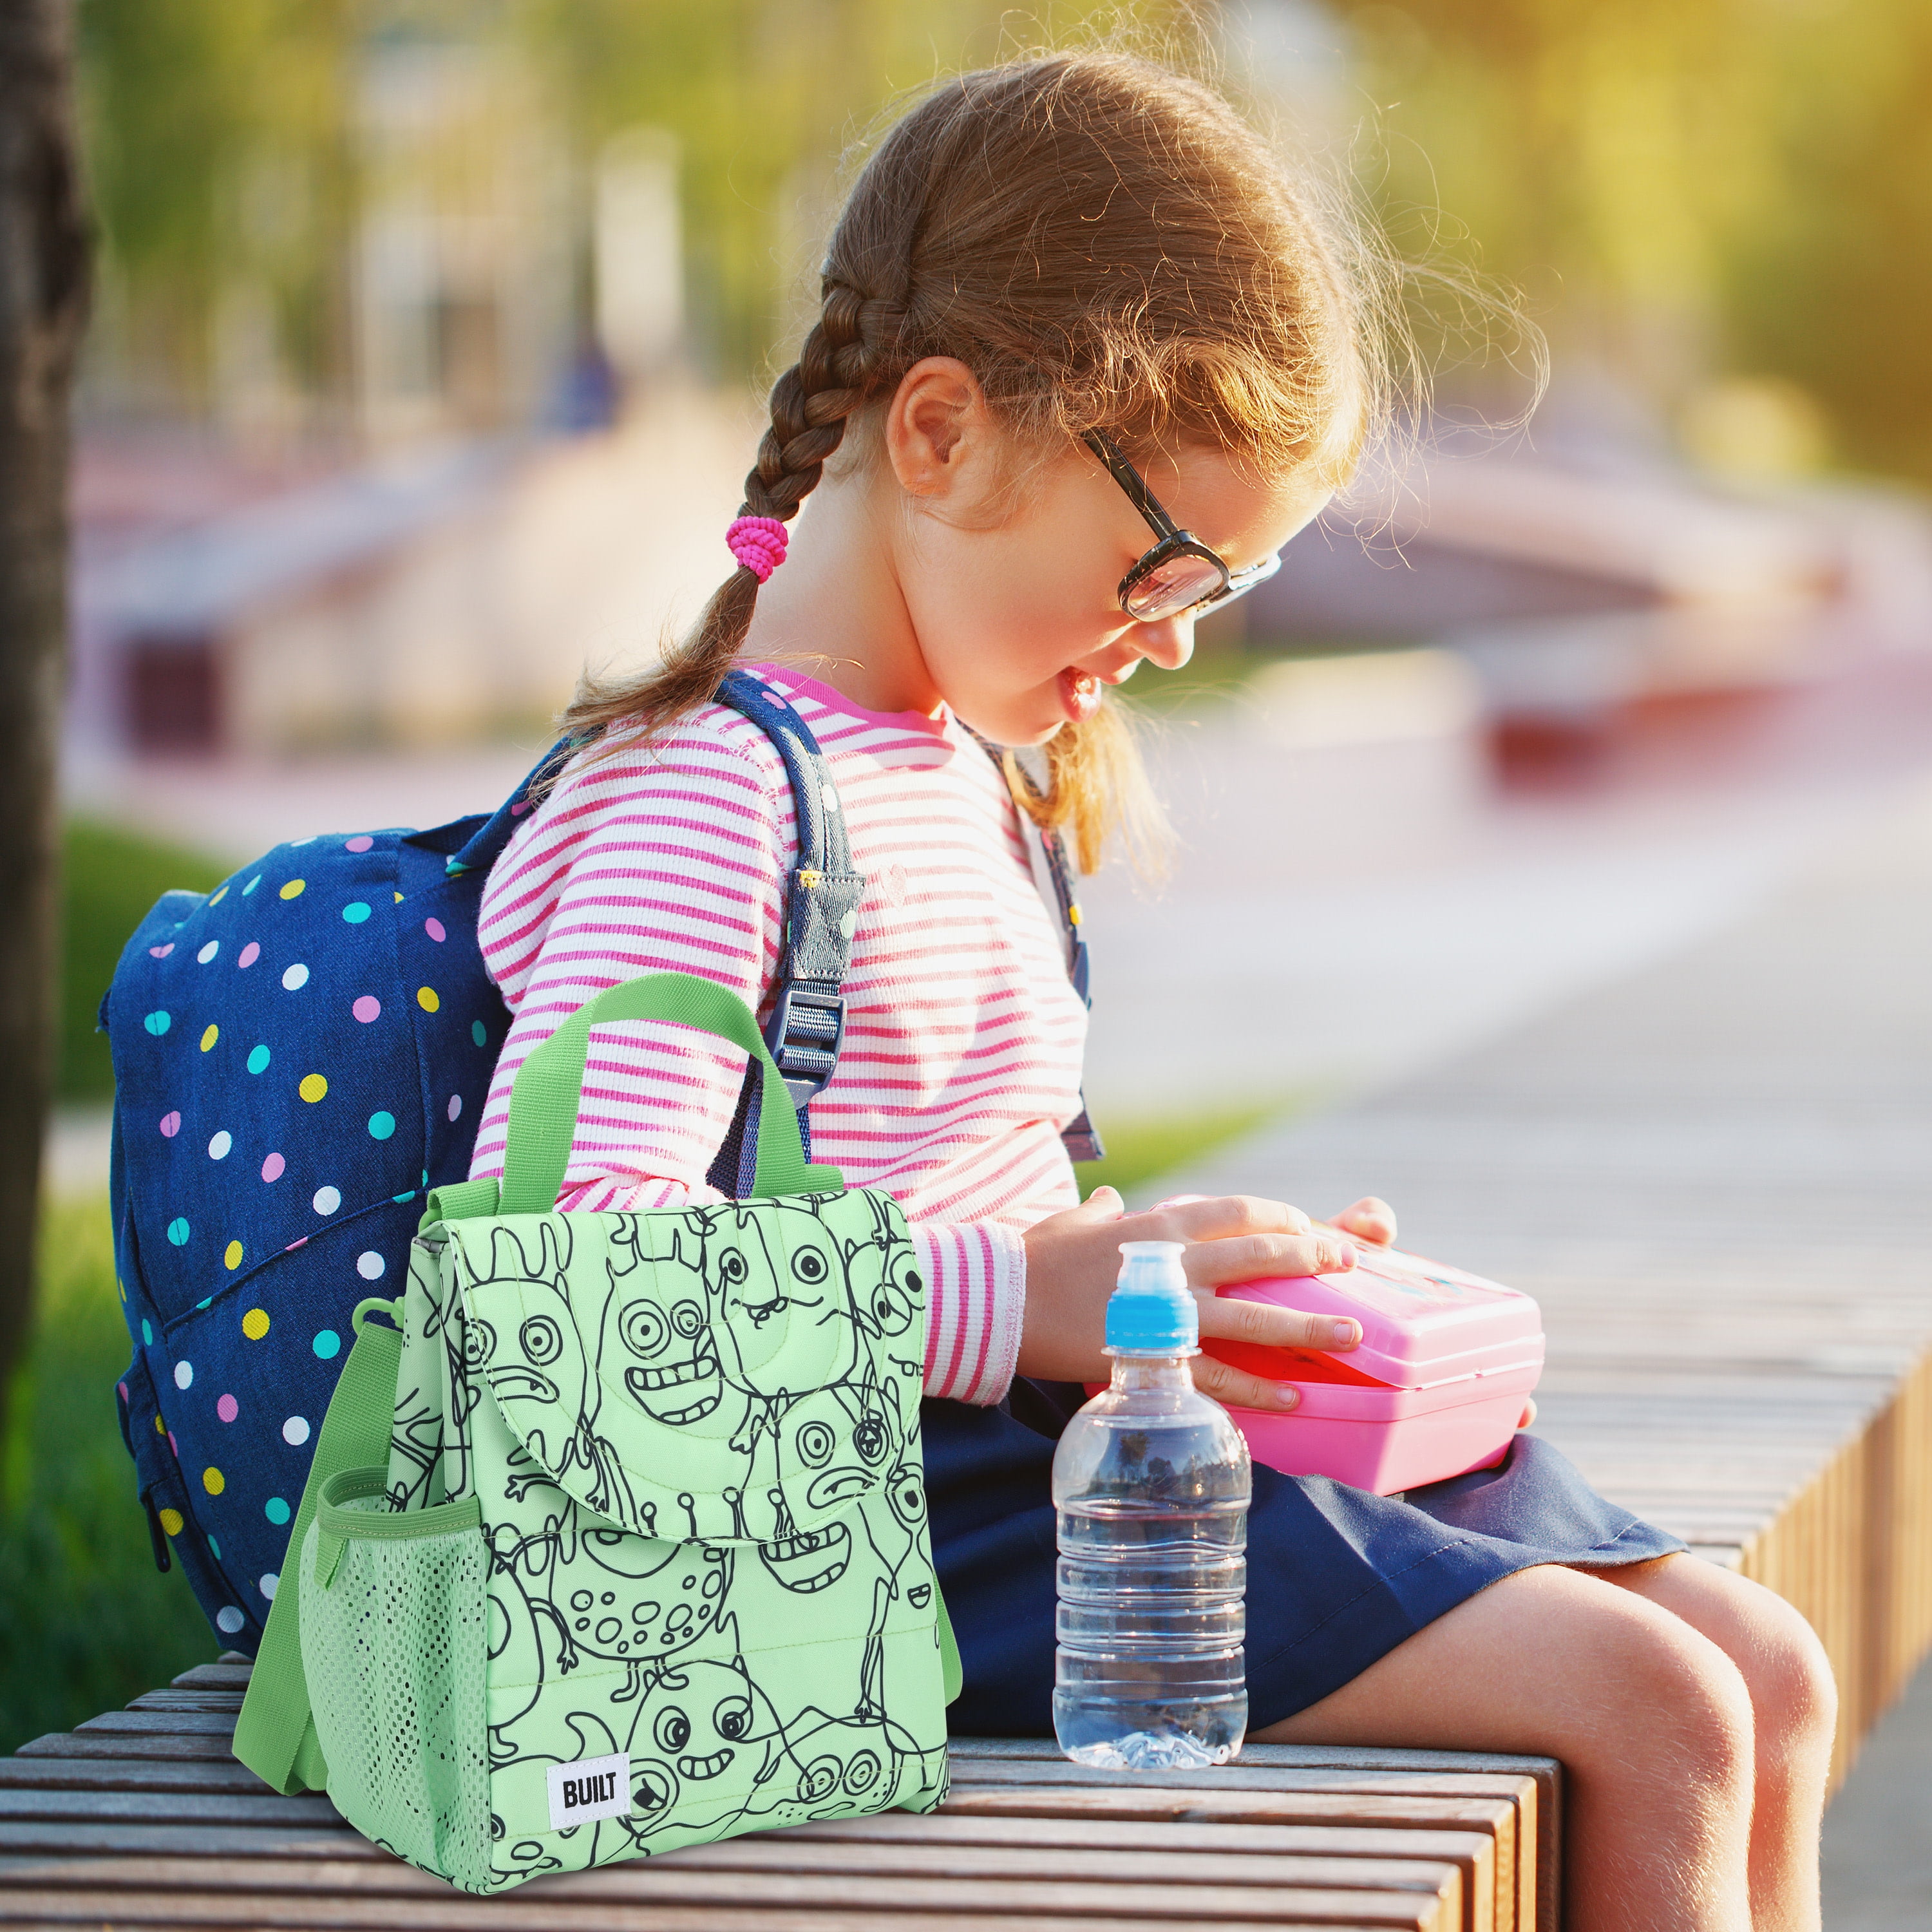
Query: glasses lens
[(1173, 586)]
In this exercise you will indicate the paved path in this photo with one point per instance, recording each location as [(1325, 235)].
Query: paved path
[(1711, 1173), (1878, 1833), (1344, 915)]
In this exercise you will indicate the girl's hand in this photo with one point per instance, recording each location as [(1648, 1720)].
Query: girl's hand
[(1073, 1259), (1370, 1219), (1373, 1220)]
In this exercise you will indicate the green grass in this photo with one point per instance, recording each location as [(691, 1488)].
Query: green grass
[(1142, 1150), (111, 878), (86, 1621)]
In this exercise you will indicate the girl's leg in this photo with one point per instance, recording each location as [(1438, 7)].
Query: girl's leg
[(1794, 1705), (1651, 1721)]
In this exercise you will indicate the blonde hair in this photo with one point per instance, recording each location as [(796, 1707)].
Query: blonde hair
[(1104, 245)]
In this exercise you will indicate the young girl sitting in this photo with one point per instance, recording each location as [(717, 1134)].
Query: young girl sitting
[(1058, 286)]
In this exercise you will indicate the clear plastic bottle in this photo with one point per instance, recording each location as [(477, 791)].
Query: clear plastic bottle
[(1151, 1482)]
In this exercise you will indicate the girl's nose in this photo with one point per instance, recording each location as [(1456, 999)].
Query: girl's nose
[(1169, 643)]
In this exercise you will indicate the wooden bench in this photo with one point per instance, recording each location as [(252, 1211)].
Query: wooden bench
[(1713, 1174), (142, 1817)]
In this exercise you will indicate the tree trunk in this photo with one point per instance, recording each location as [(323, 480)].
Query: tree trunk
[(43, 282)]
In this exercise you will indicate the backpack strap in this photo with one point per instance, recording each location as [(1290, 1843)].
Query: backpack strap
[(807, 1026), (484, 846)]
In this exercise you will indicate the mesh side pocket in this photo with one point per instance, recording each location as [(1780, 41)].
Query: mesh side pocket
[(395, 1635)]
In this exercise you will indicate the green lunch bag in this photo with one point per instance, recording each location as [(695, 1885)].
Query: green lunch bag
[(620, 1545)]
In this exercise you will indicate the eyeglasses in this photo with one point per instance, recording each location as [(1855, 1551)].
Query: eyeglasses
[(1180, 573)]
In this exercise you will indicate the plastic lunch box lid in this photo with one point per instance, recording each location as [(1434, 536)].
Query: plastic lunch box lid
[(1423, 1323)]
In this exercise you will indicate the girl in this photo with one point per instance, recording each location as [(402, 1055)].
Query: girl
[(1063, 293)]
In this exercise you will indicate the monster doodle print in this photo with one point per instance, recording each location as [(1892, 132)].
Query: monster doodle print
[(693, 1436)]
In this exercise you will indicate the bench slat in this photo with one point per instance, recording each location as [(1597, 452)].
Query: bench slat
[(1518, 1900), (222, 1676), (165, 1745), (328, 1891), (127, 1774), (86, 1908)]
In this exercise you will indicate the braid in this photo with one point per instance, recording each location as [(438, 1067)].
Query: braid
[(810, 402)]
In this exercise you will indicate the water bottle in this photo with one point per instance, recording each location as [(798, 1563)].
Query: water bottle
[(1150, 1481)]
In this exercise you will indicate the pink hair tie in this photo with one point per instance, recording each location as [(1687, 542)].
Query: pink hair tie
[(758, 543)]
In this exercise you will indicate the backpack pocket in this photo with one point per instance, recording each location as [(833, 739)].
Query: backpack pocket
[(252, 1372), (395, 1645)]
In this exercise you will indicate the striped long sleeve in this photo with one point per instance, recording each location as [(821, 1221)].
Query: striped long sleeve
[(963, 1042)]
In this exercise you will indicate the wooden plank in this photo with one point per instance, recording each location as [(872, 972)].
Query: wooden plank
[(166, 1808), (159, 1890), (1546, 1771), (943, 1855), (1519, 1900), (73, 1825), (84, 1841), (228, 1701), (853, 1870), (167, 1744), (1534, 1880), (127, 1774), (520, 1911), (1473, 1853), (160, 1724), (215, 1677)]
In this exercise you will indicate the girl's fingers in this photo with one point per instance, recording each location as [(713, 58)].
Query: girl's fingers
[(1371, 1218), (1211, 1264), (1233, 1321), (1219, 1217), (1235, 1388)]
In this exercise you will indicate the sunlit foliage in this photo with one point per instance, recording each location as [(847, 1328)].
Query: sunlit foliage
[(1680, 187)]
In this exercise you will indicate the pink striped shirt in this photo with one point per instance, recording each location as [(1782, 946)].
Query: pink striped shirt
[(963, 1039)]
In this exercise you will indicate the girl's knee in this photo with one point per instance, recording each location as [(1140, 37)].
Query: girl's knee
[(1669, 1703), (1695, 1699), (1793, 1692)]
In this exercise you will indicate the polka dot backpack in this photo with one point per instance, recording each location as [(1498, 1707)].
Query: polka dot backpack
[(298, 1056)]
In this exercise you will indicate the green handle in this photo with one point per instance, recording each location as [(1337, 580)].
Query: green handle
[(543, 1102), (275, 1736)]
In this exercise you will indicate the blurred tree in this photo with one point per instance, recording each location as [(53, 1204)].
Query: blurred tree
[(221, 150), (765, 100), (43, 285), (1831, 285), (1682, 186)]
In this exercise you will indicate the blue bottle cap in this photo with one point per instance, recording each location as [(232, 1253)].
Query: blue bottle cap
[(1152, 1310)]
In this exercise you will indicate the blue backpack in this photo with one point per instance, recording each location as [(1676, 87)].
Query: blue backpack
[(298, 1056)]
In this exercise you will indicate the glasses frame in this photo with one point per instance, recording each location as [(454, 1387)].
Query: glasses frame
[(1174, 541)]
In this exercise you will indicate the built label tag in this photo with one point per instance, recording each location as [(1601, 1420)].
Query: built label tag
[(593, 1787)]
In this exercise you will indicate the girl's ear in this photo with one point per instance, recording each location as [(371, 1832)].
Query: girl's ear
[(939, 433)]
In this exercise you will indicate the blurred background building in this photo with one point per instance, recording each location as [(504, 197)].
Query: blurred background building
[(432, 335)]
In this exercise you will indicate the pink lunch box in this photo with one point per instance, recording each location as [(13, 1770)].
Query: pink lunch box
[(1435, 1388)]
